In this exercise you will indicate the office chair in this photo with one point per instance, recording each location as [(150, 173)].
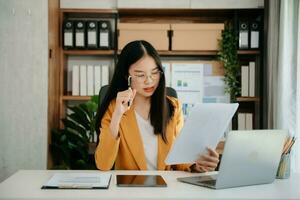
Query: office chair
[(170, 92)]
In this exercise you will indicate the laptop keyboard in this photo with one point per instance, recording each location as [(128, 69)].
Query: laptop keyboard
[(208, 182)]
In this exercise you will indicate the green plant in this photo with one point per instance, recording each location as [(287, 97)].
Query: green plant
[(70, 145), (228, 55)]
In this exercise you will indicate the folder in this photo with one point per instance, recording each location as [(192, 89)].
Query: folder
[(241, 121), (245, 81), (75, 80), (104, 35), (80, 34), (90, 80), (83, 80), (97, 79), (251, 79), (254, 34), (68, 34), (249, 121), (243, 34), (92, 29), (69, 180), (105, 75)]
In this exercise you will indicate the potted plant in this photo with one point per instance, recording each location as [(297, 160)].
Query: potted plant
[(228, 55), (70, 145)]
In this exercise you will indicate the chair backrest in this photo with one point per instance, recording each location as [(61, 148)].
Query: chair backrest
[(170, 92)]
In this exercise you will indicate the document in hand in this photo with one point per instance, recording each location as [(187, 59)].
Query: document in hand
[(203, 128), (67, 180)]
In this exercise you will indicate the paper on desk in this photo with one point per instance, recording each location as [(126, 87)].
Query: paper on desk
[(203, 128), (79, 180)]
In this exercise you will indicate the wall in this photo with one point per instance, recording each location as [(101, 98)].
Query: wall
[(23, 85)]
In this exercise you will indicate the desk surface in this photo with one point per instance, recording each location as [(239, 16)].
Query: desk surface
[(26, 184)]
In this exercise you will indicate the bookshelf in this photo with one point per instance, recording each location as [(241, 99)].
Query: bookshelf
[(66, 55), (61, 95), (152, 16)]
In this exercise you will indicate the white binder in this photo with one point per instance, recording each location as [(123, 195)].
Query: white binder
[(83, 80)]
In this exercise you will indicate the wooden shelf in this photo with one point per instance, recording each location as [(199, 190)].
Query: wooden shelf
[(248, 52), (100, 11), (202, 53), (75, 98), (89, 52), (247, 99), (187, 53)]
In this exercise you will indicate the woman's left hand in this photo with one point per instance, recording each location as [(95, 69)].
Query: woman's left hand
[(207, 162)]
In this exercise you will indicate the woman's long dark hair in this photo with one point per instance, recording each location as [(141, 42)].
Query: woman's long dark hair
[(161, 109)]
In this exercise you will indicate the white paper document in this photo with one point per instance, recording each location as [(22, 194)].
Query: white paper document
[(204, 127), (99, 180)]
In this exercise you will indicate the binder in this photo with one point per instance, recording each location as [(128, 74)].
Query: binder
[(243, 34), (80, 34), (92, 29), (245, 81), (249, 121), (83, 80), (105, 75), (75, 80), (254, 34), (90, 80), (241, 121), (97, 79), (251, 79), (104, 35), (68, 34)]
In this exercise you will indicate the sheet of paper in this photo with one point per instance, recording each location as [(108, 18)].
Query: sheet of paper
[(204, 127), (79, 180), (187, 80)]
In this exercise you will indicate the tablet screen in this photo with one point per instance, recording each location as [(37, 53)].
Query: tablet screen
[(140, 181)]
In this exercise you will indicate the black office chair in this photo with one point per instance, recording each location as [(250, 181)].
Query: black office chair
[(170, 92)]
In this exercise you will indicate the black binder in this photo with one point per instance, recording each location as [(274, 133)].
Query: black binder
[(80, 38), (91, 33), (104, 35), (68, 34), (243, 34), (255, 33)]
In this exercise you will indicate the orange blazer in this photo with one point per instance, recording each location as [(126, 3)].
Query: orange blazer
[(127, 151)]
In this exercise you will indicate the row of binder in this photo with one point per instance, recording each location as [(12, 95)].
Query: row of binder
[(249, 33), (86, 34), (88, 79)]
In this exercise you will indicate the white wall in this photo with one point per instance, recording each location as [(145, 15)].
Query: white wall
[(23, 85)]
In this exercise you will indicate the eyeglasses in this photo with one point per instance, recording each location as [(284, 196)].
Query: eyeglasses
[(142, 77)]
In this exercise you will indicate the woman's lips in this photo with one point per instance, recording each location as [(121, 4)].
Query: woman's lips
[(149, 89)]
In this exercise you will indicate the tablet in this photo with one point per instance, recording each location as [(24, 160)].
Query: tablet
[(140, 181)]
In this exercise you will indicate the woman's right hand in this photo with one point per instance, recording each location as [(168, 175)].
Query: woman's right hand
[(122, 101)]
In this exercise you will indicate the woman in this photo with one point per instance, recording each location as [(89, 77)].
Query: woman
[(139, 124)]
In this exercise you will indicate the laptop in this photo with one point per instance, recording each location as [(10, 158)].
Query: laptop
[(249, 158)]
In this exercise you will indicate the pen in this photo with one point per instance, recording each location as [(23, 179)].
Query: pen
[(291, 145), (129, 86)]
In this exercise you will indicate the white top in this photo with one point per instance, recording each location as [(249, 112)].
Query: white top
[(26, 184), (149, 141)]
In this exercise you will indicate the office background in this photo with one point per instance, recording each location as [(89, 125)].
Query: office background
[(24, 71)]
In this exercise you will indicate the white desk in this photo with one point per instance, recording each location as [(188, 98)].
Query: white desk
[(26, 184)]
